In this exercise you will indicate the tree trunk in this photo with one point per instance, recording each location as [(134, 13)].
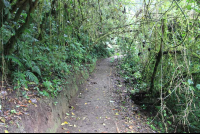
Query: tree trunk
[(9, 46), (158, 59)]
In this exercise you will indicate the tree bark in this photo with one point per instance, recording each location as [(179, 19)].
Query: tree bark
[(158, 59), (9, 46), (19, 11)]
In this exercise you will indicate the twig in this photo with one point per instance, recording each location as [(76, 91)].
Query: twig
[(117, 128)]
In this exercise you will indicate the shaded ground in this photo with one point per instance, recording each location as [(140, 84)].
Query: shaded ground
[(103, 106)]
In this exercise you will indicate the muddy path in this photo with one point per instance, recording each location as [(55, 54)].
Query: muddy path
[(99, 107)]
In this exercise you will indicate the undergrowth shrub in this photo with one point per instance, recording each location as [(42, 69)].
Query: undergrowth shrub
[(180, 89)]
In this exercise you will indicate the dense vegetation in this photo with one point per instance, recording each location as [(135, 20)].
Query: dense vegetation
[(44, 41)]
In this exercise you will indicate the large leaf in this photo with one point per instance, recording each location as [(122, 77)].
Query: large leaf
[(6, 3), (198, 86)]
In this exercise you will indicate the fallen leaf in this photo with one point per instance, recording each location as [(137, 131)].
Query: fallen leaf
[(9, 89), (78, 118), (67, 132), (25, 109), (6, 131), (67, 114), (107, 118), (120, 85), (19, 113), (130, 127), (22, 105), (29, 101), (85, 103), (86, 89), (64, 128), (66, 117), (3, 120), (26, 89), (64, 123), (73, 113), (116, 114), (74, 125), (84, 118), (79, 130), (18, 117), (7, 112), (30, 95)]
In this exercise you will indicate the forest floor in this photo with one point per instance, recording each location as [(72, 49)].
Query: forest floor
[(103, 105)]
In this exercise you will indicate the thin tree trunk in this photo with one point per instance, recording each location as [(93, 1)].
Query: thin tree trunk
[(158, 59)]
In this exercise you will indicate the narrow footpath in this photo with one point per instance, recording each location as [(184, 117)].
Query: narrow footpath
[(96, 108)]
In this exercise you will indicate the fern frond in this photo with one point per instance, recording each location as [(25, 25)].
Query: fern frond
[(32, 77), (28, 64), (19, 77), (13, 59), (36, 69), (48, 85)]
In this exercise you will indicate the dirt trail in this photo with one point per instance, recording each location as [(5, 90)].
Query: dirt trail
[(95, 108)]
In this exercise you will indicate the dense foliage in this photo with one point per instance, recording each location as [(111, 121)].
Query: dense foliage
[(161, 63), (44, 41)]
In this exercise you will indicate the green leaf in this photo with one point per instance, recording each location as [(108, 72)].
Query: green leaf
[(45, 93), (37, 70), (14, 59), (198, 86), (190, 82), (152, 127), (6, 3), (197, 10), (48, 85), (13, 111), (189, 7), (169, 122), (32, 77)]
